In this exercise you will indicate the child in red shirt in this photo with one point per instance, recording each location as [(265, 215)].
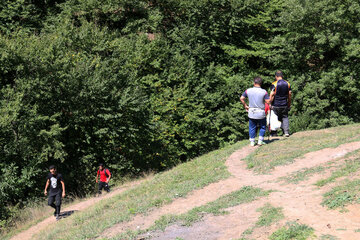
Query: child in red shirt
[(105, 176)]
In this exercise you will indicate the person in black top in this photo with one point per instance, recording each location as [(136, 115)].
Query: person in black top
[(280, 98), (56, 191)]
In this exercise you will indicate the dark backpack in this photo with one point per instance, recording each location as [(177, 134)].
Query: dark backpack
[(107, 175)]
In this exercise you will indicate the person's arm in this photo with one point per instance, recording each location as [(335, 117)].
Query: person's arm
[(46, 187), (267, 99), (97, 175), (242, 99), (63, 188), (272, 96), (107, 180), (289, 99)]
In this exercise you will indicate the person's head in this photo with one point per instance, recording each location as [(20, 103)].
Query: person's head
[(101, 166), (279, 75), (257, 81), (52, 169)]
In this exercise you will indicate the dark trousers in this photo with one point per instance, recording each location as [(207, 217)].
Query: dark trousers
[(282, 113), (103, 185), (54, 201)]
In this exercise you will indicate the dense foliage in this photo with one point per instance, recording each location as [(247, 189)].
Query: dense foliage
[(145, 84)]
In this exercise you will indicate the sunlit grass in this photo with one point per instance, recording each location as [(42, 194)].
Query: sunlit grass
[(269, 215), (284, 151), (162, 189), (33, 214), (345, 193), (293, 230), (350, 166)]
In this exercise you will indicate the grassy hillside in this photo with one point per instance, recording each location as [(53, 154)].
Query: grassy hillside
[(162, 189), (177, 183)]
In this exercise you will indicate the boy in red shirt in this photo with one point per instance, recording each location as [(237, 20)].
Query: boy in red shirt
[(105, 176)]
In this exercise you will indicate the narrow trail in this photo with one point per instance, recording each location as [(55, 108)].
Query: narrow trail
[(29, 233), (299, 202)]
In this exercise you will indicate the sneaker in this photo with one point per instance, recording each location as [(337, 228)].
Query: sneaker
[(55, 213), (287, 135), (252, 144), (57, 217), (261, 142)]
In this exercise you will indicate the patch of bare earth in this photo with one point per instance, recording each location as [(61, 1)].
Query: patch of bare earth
[(29, 233), (239, 219), (300, 202)]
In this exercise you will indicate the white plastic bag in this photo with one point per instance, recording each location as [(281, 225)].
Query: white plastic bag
[(275, 124)]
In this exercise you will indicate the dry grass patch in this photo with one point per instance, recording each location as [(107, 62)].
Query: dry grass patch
[(32, 215)]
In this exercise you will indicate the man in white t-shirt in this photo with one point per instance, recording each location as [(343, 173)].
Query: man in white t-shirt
[(256, 110)]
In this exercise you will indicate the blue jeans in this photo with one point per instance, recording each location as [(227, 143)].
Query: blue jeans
[(253, 123)]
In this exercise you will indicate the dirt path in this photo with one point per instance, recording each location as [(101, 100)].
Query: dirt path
[(29, 233), (299, 202)]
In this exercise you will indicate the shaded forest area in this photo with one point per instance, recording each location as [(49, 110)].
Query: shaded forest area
[(144, 85)]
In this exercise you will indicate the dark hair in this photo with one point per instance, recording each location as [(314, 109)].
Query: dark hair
[(279, 73), (258, 80), (52, 167), (101, 165)]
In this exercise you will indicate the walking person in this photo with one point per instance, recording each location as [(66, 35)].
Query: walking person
[(105, 176), (57, 190), (280, 98), (256, 110)]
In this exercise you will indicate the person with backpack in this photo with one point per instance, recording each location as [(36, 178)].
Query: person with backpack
[(280, 98), (57, 190), (256, 110), (105, 176)]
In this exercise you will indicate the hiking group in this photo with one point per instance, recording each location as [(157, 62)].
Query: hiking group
[(279, 103), (55, 184)]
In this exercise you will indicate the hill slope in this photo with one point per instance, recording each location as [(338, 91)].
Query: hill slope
[(305, 185)]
